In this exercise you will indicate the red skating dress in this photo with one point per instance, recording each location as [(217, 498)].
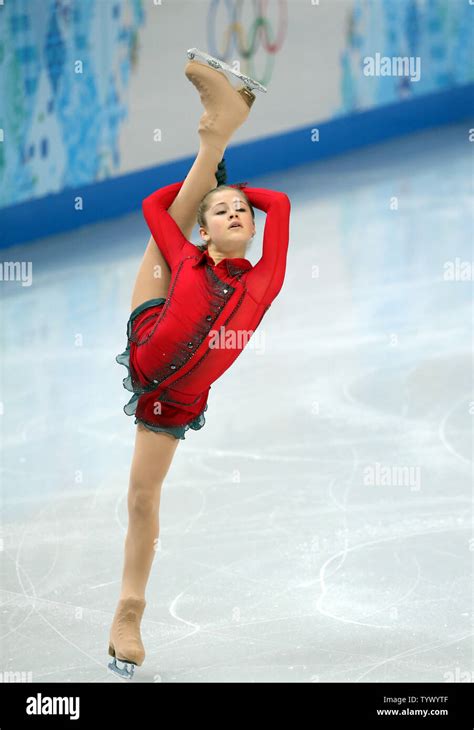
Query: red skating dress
[(171, 352)]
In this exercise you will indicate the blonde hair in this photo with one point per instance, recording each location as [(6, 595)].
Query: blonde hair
[(205, 204)]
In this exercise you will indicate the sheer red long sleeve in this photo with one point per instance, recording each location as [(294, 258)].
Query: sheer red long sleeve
[(267, 276), (164, 229)]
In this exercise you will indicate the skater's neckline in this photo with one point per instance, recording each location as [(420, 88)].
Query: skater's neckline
[(242, 264)]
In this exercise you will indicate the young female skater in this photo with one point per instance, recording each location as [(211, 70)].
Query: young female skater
[(183, 295)]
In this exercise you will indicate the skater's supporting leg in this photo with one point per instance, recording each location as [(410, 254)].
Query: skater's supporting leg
[(152, 458)]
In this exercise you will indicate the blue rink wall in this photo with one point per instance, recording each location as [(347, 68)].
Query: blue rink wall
[(121, 195)]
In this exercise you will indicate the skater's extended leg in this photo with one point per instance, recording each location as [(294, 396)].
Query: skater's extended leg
[(200, 179), (152, 458), (153, 277), (224, 112)]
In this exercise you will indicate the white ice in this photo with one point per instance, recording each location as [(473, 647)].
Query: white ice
[(319, 527)]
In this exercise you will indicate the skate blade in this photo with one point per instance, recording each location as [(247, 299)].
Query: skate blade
[(122, 671), (249, 82)]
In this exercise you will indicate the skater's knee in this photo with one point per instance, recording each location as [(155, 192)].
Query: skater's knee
[(144, 496)]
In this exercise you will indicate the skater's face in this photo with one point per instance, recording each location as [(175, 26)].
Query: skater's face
[(230, 224)]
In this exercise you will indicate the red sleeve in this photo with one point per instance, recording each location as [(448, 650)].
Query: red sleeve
[(266, 278), (164, 229)]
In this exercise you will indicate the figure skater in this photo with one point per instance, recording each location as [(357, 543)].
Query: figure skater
[(183, 295)]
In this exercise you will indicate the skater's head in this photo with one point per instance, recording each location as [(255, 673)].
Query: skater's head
[(221, 208)]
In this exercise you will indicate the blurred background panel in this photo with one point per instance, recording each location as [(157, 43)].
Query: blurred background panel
[(95, 111)]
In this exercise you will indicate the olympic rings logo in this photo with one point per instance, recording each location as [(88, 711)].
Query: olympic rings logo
[(260, 33)]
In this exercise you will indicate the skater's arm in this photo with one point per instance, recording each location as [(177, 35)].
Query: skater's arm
[(164, 229), (266, 278)]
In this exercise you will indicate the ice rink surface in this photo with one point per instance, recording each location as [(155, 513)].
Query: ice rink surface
[(319, 527)]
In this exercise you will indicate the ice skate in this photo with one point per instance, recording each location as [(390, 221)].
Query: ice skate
[(125, 643), (249, 84), (225, 109)]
